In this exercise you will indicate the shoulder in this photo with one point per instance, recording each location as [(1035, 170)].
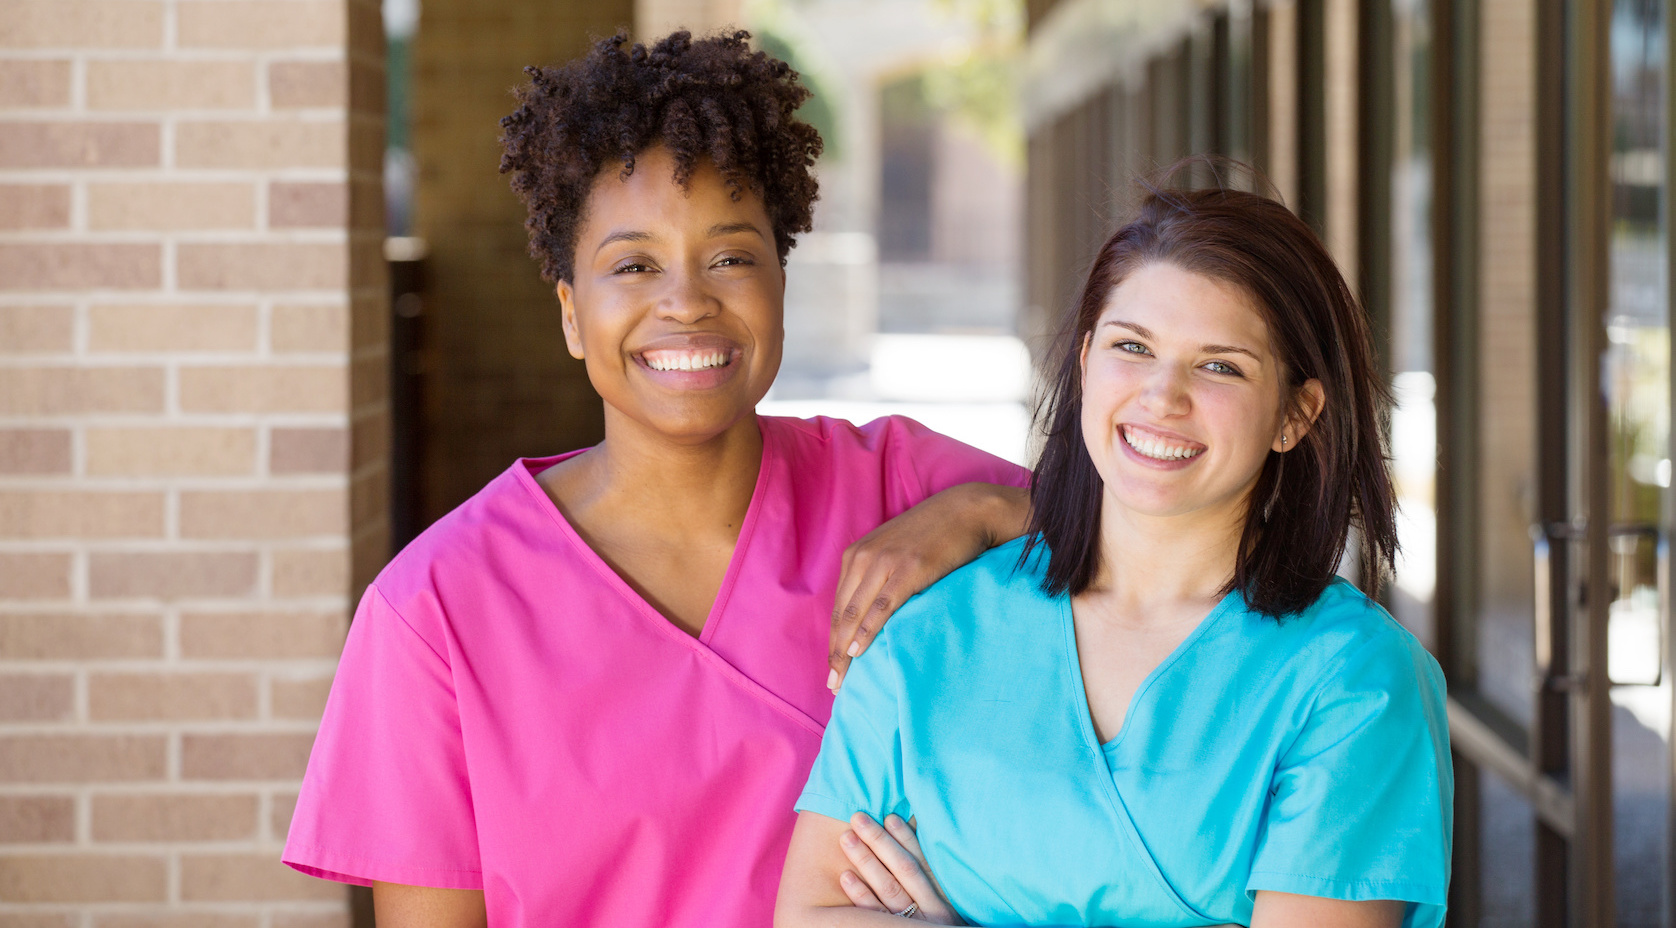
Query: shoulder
[(1000, 571), (1342, 619), (984, 623), (843, 435), (978, 603), (471, 536), (1348, 639), (915, 460)]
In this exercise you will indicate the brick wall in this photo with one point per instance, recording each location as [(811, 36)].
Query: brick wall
[(192, 434)]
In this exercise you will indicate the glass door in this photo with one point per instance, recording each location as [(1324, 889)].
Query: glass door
[(1524, 263), (1637, 383), (1511, 547)]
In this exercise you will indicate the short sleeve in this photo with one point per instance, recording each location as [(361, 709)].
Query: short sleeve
[(933, 462), (386, 795), (1360, 806), (860, 764)]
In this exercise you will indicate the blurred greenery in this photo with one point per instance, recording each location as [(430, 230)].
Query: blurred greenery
[(819, 111), (979, 89), (989, 16), (396, 91), (976, 88)]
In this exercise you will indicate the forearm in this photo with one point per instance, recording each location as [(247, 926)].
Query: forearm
[(843, 916), (811, 895), (881, 870), (996, 513), (1289, 910), (399, 906)]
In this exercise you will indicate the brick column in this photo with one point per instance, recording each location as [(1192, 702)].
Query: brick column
[(192, 435)]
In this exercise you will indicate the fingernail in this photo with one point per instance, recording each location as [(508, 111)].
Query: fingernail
[(849, 839), (854, 648), (832, 679), (848, 878)]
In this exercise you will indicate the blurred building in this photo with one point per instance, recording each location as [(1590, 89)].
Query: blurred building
[(214, 420), (905, 298)]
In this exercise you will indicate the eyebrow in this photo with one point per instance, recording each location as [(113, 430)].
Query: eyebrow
[(623, 235), (716, 231), (1144, 332), (729, 228)]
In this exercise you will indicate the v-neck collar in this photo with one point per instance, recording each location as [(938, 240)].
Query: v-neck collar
[(1094, 751), (735, 564), (701, 647), (1074, 659)]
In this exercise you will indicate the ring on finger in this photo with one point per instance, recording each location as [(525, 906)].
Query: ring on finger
[(909, 912)]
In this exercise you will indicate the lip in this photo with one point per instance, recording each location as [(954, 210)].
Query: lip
[(706, 379), (1164, 434)]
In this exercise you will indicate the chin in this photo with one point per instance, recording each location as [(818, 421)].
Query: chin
[(1146, 495), (695, 427), (1152, 508)]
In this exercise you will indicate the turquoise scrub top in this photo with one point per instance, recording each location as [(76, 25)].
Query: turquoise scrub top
[(1303, 755)]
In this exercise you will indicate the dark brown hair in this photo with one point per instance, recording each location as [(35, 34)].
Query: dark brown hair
[(712, 98), (1305, 501)]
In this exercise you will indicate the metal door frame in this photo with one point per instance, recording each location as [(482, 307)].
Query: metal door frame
[(1563, 765)]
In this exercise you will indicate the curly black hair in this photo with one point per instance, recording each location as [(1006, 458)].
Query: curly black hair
[(709, 98)]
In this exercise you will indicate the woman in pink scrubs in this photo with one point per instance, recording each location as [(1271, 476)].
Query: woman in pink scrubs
[(591, 694)]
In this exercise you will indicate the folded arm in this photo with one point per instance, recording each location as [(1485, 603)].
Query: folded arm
[(854, 875), (876, 866)]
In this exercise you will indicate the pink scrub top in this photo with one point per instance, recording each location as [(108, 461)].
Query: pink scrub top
[(510, 716)]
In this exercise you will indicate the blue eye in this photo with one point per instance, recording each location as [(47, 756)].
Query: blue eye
[(1132, 347), (1222, 367)]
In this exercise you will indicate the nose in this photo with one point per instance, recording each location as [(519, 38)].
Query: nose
[(686, 299), (1165, 393)]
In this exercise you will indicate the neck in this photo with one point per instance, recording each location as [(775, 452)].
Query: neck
[(674, 483), (1148, 562)]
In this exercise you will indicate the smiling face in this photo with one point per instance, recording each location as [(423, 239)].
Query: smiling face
[(1183, 395), (678, 299)]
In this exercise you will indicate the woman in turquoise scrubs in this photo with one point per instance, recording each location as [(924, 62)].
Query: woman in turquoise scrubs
[(1161, 707)]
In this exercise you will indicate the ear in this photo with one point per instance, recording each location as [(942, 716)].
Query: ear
[(1311, 398), (1082, 354), (567, 315)]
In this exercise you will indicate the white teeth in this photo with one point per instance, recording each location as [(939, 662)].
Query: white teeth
[(687, 361), (1157, 450)]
